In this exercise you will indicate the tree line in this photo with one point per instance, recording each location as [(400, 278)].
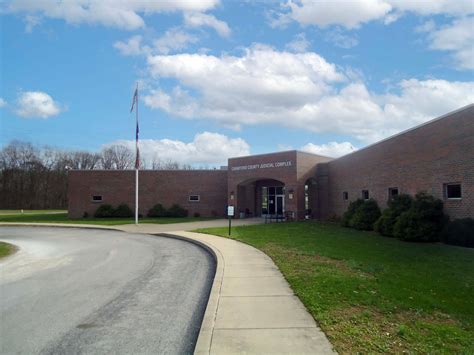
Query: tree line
[(35, 177)]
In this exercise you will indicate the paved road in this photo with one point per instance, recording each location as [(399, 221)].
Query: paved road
[(70, 291)]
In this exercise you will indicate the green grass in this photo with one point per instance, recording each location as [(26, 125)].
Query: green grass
[(6, 249), (371, 293), (47, 217), (15, 212)]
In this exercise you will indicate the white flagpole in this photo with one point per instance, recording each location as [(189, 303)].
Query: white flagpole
[(136, 165)]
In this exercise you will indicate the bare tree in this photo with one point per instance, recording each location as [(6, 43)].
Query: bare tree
[(117, 157)]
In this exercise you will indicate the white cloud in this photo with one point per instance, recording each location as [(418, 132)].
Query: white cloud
[(125, 14), (198, 19), (207, 148), (458, 38), (3, 103), (173, 40), (298, 44), (133, 46), (300, 90), (36, 104), (31, 22), (352, 14), (341, 39), (331, 149)]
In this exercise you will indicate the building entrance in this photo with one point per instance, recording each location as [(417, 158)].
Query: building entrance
[(273, 201)]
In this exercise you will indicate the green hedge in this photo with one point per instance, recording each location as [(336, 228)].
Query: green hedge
[(423, 221), (174, 211), (361, 214), (459, 232), (108, 211), (396, 207)]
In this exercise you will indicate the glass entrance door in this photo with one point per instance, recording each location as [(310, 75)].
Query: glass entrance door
[(273, 200)]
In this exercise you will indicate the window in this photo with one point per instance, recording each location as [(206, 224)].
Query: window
[(194, 198), (97, 198), (452, 191), (345, 195), (392, 192), (365, 194)]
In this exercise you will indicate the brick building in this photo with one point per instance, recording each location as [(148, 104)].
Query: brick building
[(436, 157)]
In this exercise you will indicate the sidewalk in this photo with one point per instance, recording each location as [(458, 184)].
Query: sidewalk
[(251, 308)]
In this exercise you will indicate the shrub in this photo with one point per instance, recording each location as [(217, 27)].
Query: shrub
[(123, 211), (177, 211), (422, 222), (197, 214), (104, 211), (365, 215), (396, 207), (85, 215), (347, 216), (459, 232), (157, 211)]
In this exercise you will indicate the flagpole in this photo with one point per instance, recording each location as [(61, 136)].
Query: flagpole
[(136, 165)]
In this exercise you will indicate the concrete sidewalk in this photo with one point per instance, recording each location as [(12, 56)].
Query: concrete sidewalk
[(252, 309)]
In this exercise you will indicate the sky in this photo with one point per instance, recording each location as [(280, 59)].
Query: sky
[(220, 79)]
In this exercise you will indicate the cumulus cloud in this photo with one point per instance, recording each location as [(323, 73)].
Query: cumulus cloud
[(173, 40), (298, 44), (199, 19), (354, 13), (457, 38), (300, 90), (3, 103), (331, 149), (207, 148), (133, 46), (36, 104), (124, 14)]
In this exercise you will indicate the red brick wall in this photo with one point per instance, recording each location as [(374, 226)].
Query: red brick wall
[(165, 187), (422, 159)]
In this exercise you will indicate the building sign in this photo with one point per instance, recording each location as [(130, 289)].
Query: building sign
[(230, 211), (277, 164)]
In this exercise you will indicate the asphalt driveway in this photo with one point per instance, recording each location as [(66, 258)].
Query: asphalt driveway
[(98, 291)]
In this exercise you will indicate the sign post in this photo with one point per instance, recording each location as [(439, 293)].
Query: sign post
[(230, 214)]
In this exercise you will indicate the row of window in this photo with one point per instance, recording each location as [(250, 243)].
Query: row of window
[(192, 198), (452, 191)]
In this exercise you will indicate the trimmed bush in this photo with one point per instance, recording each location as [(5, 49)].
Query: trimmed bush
[(423, 221), (396, 207), (347, 216), (177, 211), (365, 215), (157, 211), (459, 232), (104, 211), (123, 211), (197, 214)]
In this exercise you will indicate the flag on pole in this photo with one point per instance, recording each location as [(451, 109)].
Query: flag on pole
[(135, 101)]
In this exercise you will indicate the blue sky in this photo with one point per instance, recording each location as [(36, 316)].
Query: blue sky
[(220, 79)]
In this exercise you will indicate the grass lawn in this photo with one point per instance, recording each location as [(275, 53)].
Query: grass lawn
[(371, 293), (61, 217), (6, 249)]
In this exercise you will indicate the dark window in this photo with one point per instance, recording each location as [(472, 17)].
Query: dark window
[(194, 198), (453, 191), (365, 194), (97, 198), (345, 195), (279, 190), (392, 192), (271, 191)]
